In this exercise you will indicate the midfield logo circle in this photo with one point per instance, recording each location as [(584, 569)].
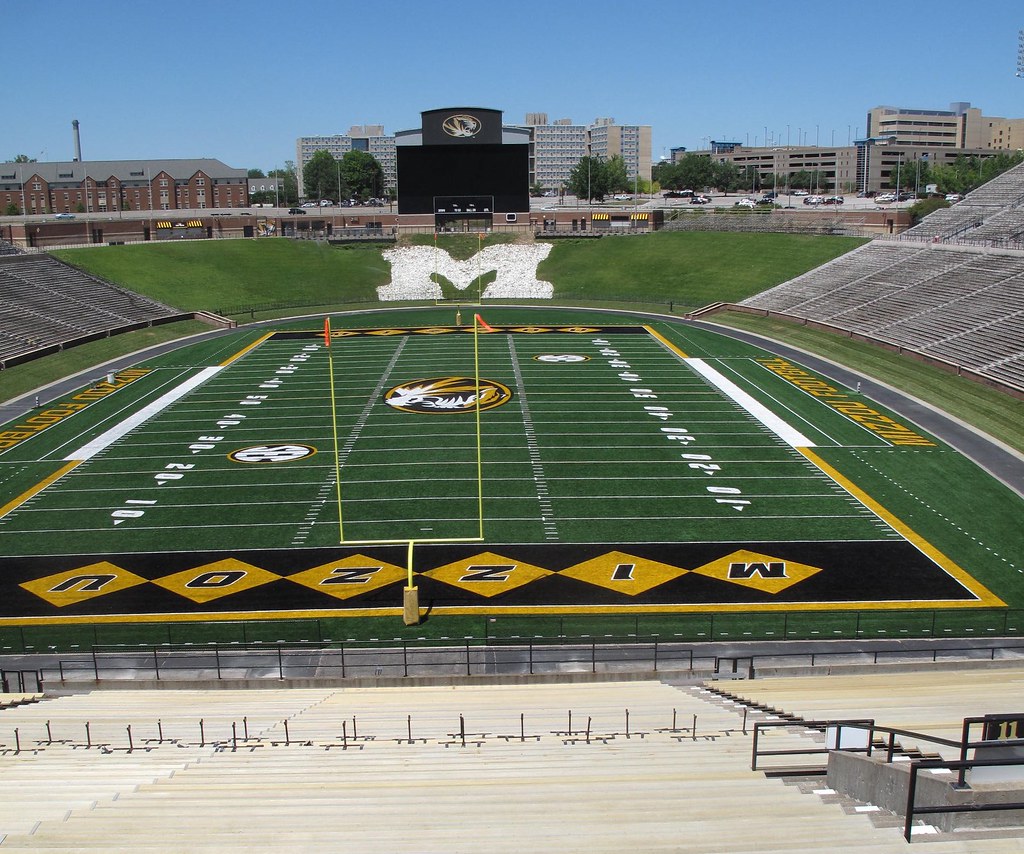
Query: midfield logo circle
[(282, 453), (447, 394), (568, 358)]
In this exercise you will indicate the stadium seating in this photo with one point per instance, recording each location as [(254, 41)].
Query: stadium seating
[(45, 303), (991, 215), (497, 768), (958, 304)]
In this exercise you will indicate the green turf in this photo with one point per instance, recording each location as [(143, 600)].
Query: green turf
[(908, 482), (911, 484)]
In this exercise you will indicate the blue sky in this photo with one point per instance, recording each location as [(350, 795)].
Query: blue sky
[(240, 81)]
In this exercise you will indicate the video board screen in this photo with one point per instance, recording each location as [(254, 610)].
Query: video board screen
[(429, 171)]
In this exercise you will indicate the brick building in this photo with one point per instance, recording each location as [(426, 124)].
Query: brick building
[(106, 186)]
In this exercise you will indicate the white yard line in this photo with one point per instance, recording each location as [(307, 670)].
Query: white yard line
[(104, 440), (790, 435)]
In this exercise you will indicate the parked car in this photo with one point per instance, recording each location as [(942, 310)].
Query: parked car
[(744, 203), (326, 203), (885, 197), (765, 200), (953, 198), (813, 200), (907, 197), (64, 216), (800, 193), (833, 200), (771, 196), (699, 200), (296, 211)]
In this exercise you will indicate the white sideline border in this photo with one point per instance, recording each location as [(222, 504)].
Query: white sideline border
[(106, 439), (790, 435)]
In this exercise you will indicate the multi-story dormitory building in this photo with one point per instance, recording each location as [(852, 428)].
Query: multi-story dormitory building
[(368, 138), (106, 186), (557, 147)]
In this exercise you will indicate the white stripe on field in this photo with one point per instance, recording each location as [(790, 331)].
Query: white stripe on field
[(106, 439), (762, 413)]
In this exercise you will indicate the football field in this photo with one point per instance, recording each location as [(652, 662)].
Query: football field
[(527, 469)]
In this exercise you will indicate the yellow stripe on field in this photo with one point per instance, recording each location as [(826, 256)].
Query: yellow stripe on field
[(655, 334), (39, 487), (245, 350), (985, 596)]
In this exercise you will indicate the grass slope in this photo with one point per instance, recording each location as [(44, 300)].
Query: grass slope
[(688, 268), (222, 274)]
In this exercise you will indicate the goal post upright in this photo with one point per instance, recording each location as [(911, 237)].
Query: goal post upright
[(410, 592)]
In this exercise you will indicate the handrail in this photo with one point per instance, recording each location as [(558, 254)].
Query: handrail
[(625, 652), (916, 765), (401, 659), (962, 765)]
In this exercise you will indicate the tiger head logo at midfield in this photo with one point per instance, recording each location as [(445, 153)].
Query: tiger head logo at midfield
[(461, 126), (447, 394)]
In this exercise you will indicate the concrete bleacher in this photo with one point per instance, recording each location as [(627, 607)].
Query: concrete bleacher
[(930, 702), (497, 768), (44, 302), (958, 304), (992, 213)]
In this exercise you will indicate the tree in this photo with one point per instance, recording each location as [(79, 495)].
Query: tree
[(919, 210), (23, 158), (801, 180), (255, 173), (361, 175), (320, 176), (726, 176), (589, 179), (665, 174), (12, 210), (695, 172), (289, 184), (617, 176)]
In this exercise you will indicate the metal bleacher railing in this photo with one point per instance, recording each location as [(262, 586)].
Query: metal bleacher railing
[(879, 739)]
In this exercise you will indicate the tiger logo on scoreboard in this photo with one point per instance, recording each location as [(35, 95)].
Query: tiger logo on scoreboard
[(447, 394)]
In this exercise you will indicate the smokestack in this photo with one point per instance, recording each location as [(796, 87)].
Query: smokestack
[(78, 140)]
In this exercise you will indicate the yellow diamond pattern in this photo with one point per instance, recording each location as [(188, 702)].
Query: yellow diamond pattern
[(82, 584), (488, 574), (623, 573), (757, 571), (351, 576), (215, 580)]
